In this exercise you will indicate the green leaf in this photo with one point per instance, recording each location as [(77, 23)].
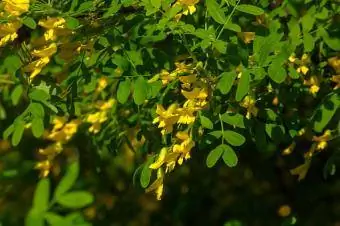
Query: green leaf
[(275, 132), (229, 156), (123, 91), (19, 128), (42, 195), (293, 73), (140, 90), (325, 112), (226, 82), (37, 110), (114, 8), (277, 73), (16, 94), (217, 134), (243, 85), (307, 22), (8, 132), (331, 42), (214, 155), (250, 9), (37, 127), (206, 122), (50, 106), (146, 174), (308, 42), (29, 22), (232, 27), (215, 11), (53, 219), (220, 46), (68, 180), (156, 3), (154, 89), (233, 119), (234, 138), (39, 95), (72, 23), (85, 6), (12, 63), (34, 218), (76, 199)]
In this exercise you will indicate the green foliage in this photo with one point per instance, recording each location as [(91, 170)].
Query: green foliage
[(112, 83)]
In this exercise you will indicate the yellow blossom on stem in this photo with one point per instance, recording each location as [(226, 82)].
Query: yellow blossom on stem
[(51, 150), (52, 22), (166, 118), (184, 147), (8, 38), (44, 167), (157, 185), (249, 103), (9, 28), (336, 80), (102, 83), (35, 67), (47, 51), (186, 115), (160, 160), (322, 141), (16, 7)]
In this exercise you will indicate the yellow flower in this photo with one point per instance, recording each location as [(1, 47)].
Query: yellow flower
[(186, 115), (292, 59), (249, 103), (50, 35), (322, 140), (157, 185), (58, 122), (96, 119), (314, 84), (336, 79), (289, 149), (45, 52), (95, 127), (71, 128), (188, 5), (166, 77), (184, 147), (160, 160), (167, 118), (302, 69), (334, 62), (107, 105), (9, 28), (8, 38), (314, 89), (16, 7), (44, 167), (51, 150), (35, 67), (52, 22), (247, 37), (102, 83)]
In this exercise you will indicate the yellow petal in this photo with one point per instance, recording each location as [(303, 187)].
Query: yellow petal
[(160, 160), (45, 52)]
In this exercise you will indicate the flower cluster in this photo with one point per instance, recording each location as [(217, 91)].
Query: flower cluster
[(60, 134), (195, 92), (312, 81), (13, 9)]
